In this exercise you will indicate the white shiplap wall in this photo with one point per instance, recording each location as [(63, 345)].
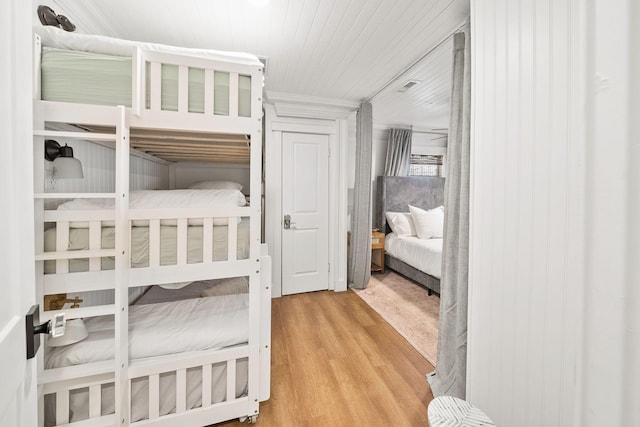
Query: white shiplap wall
[(98, 164), (526, 219)]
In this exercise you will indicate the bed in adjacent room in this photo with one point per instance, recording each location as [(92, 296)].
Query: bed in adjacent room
[(409, 210)]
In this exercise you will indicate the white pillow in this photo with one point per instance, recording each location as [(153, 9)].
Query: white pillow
[(401, 223), (216, 185), (429, 224)]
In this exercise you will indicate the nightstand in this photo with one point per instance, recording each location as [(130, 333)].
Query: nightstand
[(377, 251)]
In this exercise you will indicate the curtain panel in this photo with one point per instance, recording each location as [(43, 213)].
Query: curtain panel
[(398, 152), (359, 266), (450, 375)]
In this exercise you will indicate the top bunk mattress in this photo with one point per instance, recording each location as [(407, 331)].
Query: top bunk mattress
[(94, 69)]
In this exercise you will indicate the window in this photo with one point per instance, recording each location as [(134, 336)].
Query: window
[(426, 165)]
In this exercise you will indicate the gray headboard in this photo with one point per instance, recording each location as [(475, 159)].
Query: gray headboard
[(396, 193)]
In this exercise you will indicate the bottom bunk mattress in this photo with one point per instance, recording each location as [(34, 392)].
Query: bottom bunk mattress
[(422, 254), (155, 330)]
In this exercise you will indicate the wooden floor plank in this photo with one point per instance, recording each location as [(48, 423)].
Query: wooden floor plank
[(336, 362)]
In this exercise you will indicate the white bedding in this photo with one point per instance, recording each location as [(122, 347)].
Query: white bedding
[(164, 328), (154, 330), (422, 254), (55, 37), (153, 199)]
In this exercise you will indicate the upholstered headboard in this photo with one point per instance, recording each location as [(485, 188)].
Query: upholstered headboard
[(396, 193)]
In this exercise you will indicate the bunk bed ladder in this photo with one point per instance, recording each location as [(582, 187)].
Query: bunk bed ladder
[(122, 269)]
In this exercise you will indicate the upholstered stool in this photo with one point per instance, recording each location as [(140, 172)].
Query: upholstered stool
[(448, 411)]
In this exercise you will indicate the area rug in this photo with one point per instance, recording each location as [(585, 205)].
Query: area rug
[(408, 308)]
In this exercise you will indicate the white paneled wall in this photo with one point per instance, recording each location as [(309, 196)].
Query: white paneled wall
[(526, 220), (98, 164)]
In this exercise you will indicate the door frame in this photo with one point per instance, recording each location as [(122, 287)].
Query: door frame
[(337, 131), (19, 389)]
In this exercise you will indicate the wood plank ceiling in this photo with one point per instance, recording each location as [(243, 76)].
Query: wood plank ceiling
[(331, 49)]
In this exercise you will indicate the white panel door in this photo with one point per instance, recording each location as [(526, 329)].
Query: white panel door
[(305, 196), (17, 376)]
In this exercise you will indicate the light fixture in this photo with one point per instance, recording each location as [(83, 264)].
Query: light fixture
[(64, 164)]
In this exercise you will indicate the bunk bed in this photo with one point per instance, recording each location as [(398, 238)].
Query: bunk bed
[(197, 352), (415, 258)]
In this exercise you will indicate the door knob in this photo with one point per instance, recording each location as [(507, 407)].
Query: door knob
[(288, 224)]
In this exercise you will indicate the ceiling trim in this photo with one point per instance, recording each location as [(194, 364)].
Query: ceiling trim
[(294, 105)]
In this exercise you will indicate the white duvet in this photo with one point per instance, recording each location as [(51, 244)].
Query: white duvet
[(422, 254), (155, 199), (154, 330), (163, 328)]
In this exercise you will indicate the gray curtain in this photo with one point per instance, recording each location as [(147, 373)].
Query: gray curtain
[(398, 152), (449, 378), (359, 267)]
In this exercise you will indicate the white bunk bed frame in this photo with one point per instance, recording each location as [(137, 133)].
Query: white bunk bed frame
[(120, 372)]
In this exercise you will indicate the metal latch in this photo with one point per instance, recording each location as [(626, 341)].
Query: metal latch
[(287, 222)]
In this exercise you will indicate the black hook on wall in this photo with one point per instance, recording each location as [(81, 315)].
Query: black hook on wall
[(49, 17)]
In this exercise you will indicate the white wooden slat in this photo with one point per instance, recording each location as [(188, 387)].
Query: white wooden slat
[(154, 243), (82, 215), (231, 380), (76, 135), (183, 89), (62, 407), (75, 383), (232, 241), (138, 81), (207, 240), (156, 86), (208, 92), (68, 112), (62, 243), (182, 241), (81, 312), (65, 255), (95, 242), (198, 62), (181, 391), (173, 213), (76, 371), (159, 364), (265, 323), (95, 401), (233, 94), (206, 385), (177, 273), (122, 266), (154, 396)]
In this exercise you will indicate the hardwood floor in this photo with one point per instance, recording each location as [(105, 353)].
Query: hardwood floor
[(336, 362)]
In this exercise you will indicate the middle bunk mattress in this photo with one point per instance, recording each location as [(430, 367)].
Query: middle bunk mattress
[(79, 236)]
